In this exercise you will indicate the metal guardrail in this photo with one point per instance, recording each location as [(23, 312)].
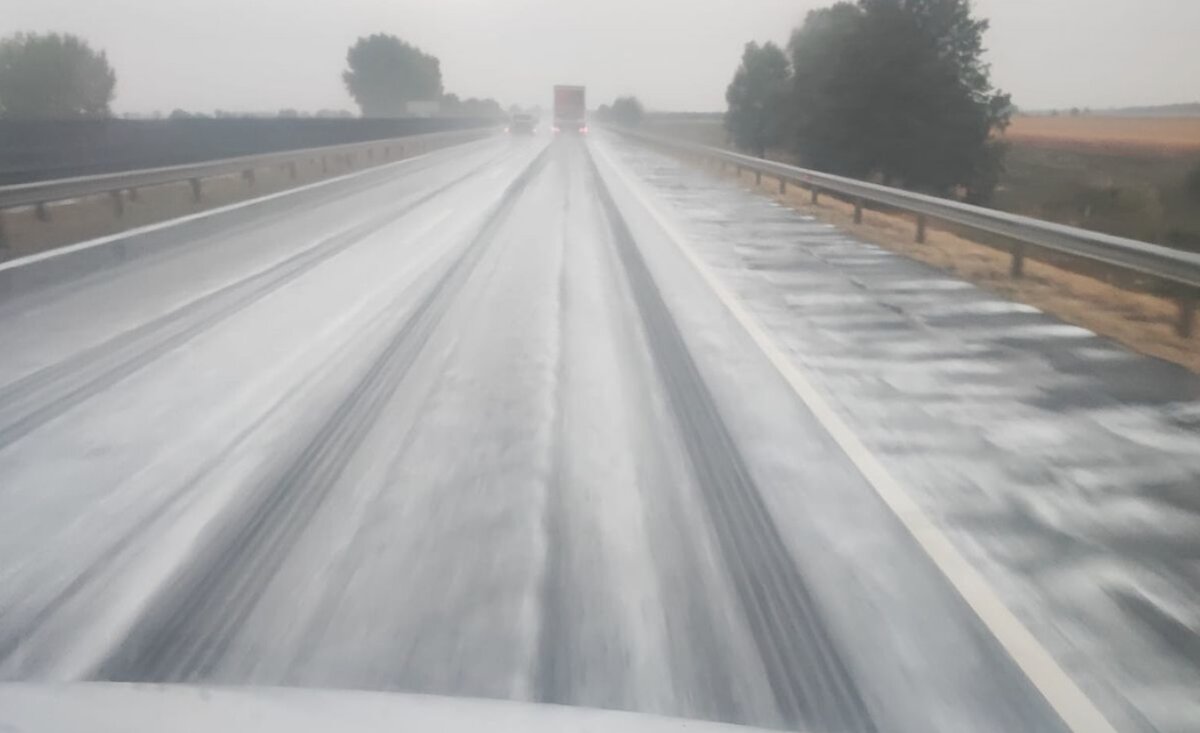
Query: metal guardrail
[(40, 193), (1180, 269)]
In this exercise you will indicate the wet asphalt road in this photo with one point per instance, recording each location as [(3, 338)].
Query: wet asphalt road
[(465, 425)]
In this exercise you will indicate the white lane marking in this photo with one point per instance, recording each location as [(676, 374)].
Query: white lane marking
[(1077, 711), (977, 308), (1044, 331), (88, 244), (903, 286)]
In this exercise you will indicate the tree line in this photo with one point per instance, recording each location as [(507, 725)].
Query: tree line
[(891, 90), (60, 76), (385, 75), (625, 110)]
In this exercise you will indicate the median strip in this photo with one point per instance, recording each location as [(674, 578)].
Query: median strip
[(45, 215)]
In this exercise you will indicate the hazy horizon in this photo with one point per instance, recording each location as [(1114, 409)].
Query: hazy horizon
[(675, 55)]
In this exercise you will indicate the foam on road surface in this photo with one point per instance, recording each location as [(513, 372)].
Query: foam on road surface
[(475, 425)]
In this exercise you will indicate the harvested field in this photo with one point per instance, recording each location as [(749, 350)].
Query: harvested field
[(1157, 135)]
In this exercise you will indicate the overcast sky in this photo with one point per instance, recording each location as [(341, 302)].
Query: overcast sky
[(673, 54)]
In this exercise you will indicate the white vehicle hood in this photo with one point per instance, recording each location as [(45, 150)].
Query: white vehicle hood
[(133, 708)]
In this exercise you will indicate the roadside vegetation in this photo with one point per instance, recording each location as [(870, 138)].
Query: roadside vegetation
[(627, 111), (59, 76), (760, 99), (1131, 187), (888, 90), (384, 74), (390, 78), (1136, 177), (1148, 196), (53, 76), (895, 91)]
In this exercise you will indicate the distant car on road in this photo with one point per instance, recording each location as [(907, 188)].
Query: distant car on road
[(522, 124)]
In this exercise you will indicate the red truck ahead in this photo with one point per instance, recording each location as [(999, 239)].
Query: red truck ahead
[(570, 109)]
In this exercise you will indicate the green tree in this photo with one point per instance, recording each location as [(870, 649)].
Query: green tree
[(627, 111), (53, 76), (758, 99), (898, 89), (385, 73), (823, 96)]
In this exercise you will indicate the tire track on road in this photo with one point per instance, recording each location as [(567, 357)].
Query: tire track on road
[(811, 683), (551, 680), (16, 630), (192, 621), (37, 398)]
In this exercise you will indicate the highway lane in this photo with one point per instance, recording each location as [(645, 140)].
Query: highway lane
[(467, 425), (237, 373), (1061, 464)]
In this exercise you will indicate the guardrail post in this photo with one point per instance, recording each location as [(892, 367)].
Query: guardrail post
[(1186, 324), (195, 189), (920, 229), (324, 165), (758, 178), (782, 186), (118, 202), (1017, 269), (816, 194), (248, 177), (858, 207), (40, 210), (370, 154), (292, 170)]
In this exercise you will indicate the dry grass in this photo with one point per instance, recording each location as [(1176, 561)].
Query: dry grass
[(1161, 135), (1142, 322)]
